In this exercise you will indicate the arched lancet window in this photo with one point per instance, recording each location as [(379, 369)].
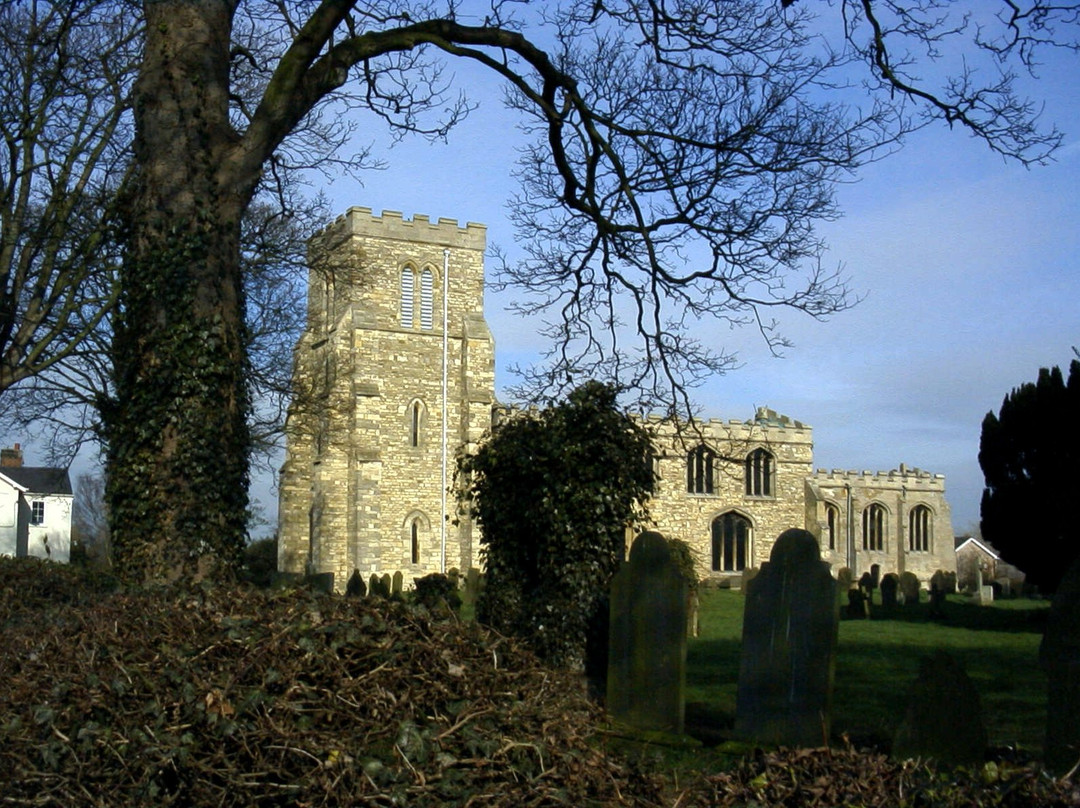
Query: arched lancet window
[(759, 472), (832, 525), (919, 529), (415, 421), (408, 282), (730, 542), (426, 299), (699, 470), (873, 527), (415, 532), (414, 424)]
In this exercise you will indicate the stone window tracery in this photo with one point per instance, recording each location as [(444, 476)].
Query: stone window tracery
[(759, 474), (873, 525), (699, 470), (730, 542), (919, 529), (832, 525)]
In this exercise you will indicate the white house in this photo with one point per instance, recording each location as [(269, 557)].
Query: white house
[(35, 509)]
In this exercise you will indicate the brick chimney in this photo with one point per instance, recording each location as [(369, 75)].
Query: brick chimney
[(11, 458)]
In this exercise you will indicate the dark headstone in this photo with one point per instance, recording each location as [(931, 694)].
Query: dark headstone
[(950, 583), (1060, 658), (397, 583), (748, 575), (377, 587), (944, 715), (355, 588), (386, 584), (845, 578), (320, 582), (646, 679), (788, 647), (909, 587), (858, 607), (889, 586), (866, 583)]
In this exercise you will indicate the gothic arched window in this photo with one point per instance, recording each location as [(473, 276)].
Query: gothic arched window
[(873, 527), (759, 472), (832, 524), (408, 281), (919, 529), (426, 299), (699, 470), (730, 542)]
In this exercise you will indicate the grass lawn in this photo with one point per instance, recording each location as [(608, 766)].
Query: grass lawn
[(878, 659)]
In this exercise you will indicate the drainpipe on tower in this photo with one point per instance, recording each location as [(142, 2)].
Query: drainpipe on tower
[(445, 401)]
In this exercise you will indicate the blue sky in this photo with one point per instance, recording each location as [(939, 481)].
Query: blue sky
[(968, 266)]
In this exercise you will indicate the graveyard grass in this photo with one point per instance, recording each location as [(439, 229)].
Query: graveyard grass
[(878, 660)]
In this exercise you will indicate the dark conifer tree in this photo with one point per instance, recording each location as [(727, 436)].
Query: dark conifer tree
[(1030, 457)]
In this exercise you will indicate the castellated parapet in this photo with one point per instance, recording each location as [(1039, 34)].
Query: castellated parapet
[(362, 484)]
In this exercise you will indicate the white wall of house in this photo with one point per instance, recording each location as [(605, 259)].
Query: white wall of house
[(50, 539)]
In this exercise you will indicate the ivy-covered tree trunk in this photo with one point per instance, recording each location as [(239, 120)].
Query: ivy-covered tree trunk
[(178, 440)]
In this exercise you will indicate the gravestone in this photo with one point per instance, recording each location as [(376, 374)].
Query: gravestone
[(385, 584), (943, 720), (788, 647), (937, 581), (845, 578), (950, 583), (646, 680), (373, 585), (1059, 655), (866, 583), (748, 575), (355, 587), (909, 588), (889, 586), (858, 607), (397, 583), (937, 601)]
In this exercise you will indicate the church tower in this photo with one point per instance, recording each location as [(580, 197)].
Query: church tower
[(394, 375)]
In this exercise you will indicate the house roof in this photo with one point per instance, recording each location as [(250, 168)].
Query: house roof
[(982, 545), (40, 479)]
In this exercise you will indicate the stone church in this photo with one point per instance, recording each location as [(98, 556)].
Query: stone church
[(396, 374)]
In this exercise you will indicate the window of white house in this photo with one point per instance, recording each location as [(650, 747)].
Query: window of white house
[(37, 512), (426, 299), (759, 471), (919, 529)]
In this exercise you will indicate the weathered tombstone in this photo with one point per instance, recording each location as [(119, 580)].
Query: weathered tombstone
[(844, 579), (1059, 655), (385, 584), (909, 587), (646, 679), (937, 601), (748, 575), (320, 582), (866, 583), (950, 583), (937, 581), (355, 588), (889, 585), (788, 647), (373, 585), (858, 604), (397, 583), (943, 720)]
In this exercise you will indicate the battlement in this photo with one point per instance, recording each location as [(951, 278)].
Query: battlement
[(360, 221), (901, 476), (766, 426)]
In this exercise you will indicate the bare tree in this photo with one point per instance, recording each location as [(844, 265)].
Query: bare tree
[(91, 518), (684, 153), (66, 71)]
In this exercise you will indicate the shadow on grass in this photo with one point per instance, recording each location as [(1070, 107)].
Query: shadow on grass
[(962, 612)]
